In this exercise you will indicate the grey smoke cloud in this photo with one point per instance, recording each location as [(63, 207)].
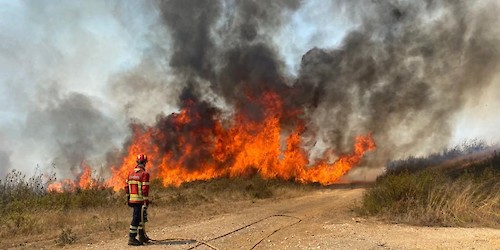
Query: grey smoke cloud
[(403, 74), (75, 127), (55, 61), (5, 159)]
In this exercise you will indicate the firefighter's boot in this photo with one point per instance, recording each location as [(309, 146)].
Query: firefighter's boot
[(143, 238), (132, 241)]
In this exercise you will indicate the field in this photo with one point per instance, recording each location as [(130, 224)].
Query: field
[(35, 216), (459, 196)]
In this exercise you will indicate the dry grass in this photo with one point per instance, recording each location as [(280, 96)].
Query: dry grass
[(463, 202), (31, 214), (65, 226), (455, 196), (226, 189)]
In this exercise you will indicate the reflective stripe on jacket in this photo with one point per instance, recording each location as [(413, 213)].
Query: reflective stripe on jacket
[(137, 185)]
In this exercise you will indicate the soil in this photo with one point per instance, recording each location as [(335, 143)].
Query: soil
[(322, 219)]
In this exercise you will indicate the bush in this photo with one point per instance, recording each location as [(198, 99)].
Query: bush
[(414, 164), (459, 196)]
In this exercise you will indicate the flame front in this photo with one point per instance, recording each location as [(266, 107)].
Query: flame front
[(185, 147), (83, 181)]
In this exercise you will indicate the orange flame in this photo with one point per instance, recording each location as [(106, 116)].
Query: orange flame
[(243, 147), (83, 181), (140, 144)]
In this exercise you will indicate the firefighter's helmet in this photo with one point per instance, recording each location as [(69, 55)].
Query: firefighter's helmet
[(142, 159)]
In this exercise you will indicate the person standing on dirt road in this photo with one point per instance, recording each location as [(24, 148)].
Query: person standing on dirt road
[(137, 189)]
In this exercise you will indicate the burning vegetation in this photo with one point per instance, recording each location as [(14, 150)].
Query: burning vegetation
[(195, 144), (83, 181)]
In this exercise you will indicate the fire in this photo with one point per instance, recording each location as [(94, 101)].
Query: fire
[(85, 178), (83, 181), (195, 144)]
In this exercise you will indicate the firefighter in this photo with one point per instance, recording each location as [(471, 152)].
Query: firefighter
[(137, 189)]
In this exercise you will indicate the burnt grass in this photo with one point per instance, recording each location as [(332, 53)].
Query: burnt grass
[(438, 190)]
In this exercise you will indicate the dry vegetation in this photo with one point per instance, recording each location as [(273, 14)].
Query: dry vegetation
[(31, 214), (435, 190), (439, 190)]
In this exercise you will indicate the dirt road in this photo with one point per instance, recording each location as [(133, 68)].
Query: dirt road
[(320, 220)]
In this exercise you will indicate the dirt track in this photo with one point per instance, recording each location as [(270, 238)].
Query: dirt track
[(326, 222)]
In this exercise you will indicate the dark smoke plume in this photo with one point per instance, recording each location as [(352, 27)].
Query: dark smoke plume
[(197, 131), (189, 23), (233, 56)]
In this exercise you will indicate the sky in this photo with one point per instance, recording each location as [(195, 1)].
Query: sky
[(61, 62)]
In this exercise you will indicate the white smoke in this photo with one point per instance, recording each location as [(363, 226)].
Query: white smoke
[(52, 52)]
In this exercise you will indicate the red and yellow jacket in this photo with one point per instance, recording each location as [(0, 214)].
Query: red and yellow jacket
[(138, 185)]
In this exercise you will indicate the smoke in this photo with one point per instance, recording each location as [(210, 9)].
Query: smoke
[(189, 23), (5, 159), (403, 74), (226, 44), (77, 130), (402, 70), (55, 61)]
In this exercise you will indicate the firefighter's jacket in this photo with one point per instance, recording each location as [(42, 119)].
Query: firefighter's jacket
[(138, 185)]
